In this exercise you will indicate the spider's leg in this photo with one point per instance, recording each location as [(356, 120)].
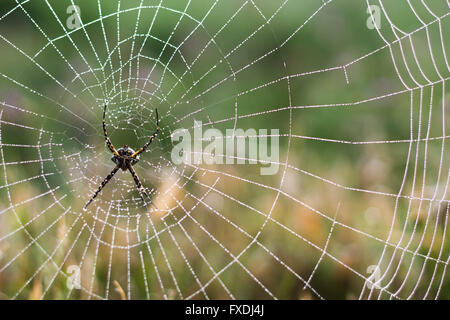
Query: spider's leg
[(108, 141), (138, 183), (102, 185), (151, 138)]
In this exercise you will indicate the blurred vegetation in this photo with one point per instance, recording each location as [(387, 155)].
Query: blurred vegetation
[(52, 90)]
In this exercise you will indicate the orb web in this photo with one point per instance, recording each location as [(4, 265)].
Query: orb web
[(358, 208)]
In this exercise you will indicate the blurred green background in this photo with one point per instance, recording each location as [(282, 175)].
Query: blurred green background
[(364, 163)]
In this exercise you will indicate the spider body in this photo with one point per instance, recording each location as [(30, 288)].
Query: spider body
[(124, 158)]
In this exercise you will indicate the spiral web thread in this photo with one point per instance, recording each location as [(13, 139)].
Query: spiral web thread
[(202, 236)]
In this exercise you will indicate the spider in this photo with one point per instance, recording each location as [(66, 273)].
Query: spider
[(124, 158)]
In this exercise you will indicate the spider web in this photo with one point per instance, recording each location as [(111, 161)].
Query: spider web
[(358, 209)]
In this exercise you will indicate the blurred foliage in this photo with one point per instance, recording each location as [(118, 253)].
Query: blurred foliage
[(326, 177)]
